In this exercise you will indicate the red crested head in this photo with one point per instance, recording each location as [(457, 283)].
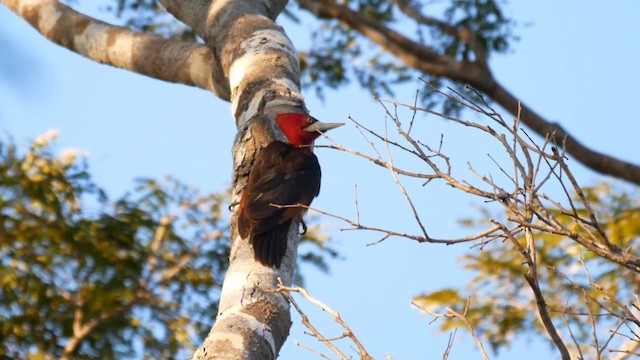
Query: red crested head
[(302, 129)]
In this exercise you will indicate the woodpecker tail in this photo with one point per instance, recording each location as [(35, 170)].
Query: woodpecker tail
[(269, 247)]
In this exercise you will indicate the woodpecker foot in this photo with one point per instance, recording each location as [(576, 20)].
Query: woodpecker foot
[(304, 227), (232, 205)]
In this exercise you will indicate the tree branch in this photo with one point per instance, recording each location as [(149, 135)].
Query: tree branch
[(531, 276), (476, 73), (408, 51), (450, 313), (550, 224), (595, 160), (187, 63), (462, 33), (472, 331), (362, 352), (259, 67)]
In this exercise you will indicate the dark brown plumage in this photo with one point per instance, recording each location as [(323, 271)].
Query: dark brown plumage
[(283, 174)]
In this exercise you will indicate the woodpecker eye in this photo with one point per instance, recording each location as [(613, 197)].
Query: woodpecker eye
[(310, 120)]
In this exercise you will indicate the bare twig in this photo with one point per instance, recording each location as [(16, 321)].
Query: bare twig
[(389, 233), (303, 346), (585, 202), (401, 187), (573, 338), (472, 331), (447, 351), (628, 350), (529, 212), (531, 277), (286, 292)]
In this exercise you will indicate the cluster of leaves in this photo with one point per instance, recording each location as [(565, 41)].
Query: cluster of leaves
[(145, 267), (485, 18), (85, 276), (337, 54), (580, 288)]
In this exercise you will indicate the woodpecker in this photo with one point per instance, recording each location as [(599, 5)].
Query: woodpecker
[(283, 174)]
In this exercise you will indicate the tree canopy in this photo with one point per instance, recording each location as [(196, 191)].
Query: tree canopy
[(82, 274), (382, 45), (85, 276)]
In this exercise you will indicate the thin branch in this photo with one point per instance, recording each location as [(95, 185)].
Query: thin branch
[(629, 314), (447, 350), (315, 352), (584, 293), (356, 206), (416, 216), (594, 328), (585, 201), (471, 329), (612, 333), (390, 233), (573, 338), (628, 349), (286, 290), (531, 277)]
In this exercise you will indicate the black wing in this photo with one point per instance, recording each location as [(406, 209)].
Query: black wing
[(282, 175)]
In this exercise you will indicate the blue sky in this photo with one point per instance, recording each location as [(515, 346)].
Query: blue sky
[(577, 63)]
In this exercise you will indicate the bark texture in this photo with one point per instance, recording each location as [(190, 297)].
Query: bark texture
[(246, 59), (197, 65), (170, 60), (259, 71)]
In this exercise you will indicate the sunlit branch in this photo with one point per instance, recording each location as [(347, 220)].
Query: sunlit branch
[(356, 225), (348, 333), (450, 313)]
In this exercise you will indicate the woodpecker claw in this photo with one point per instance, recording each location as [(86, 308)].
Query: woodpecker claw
[(233, 204), (304, 227)]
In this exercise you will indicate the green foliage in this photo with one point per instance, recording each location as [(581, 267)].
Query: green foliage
[(338, 55), (70, 258), (139, 274), (485, 18), (501, 305)]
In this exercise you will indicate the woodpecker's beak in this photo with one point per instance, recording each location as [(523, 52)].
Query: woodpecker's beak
[(321, 127)]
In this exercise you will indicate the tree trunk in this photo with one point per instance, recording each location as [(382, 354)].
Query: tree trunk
[(247, 59), (259, 70)]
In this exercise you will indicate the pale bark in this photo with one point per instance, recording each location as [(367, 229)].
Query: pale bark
[(246, 59), (182, 62), (259, 69), (187, 63)]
